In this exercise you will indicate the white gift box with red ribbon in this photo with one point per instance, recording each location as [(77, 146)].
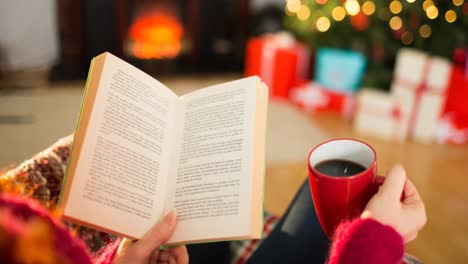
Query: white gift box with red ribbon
[(420, 84), (448, 132), (380, 114)]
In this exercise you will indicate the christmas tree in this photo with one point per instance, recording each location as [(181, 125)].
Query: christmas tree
[(379, 28)]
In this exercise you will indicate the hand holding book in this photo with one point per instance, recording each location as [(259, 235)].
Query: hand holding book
[(147, 249), (140, 150)]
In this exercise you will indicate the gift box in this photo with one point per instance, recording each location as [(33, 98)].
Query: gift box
[(279, 60), (466, 63), (339, 70), (429, 103), (410, 69), (380, 114), (452, 127), (420, 84), (312, 97)]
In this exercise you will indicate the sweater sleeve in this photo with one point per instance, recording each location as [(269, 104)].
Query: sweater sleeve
[(366, 241), (106, 255)]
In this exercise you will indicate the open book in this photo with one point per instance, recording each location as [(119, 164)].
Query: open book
[(140, 150)]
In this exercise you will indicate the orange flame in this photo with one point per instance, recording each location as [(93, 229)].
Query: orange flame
[(156, 36)]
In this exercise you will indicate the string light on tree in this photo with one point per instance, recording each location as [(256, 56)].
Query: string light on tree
[(293, 6), (427, 4), (395, 23), (368, 8), (352, 7), (303, 13), (395, 7), (323, 24), (425, 31), (359, 22), (432, 12), (379, 29), (450, 16), (286, 10), (338, 13), (458, 2)]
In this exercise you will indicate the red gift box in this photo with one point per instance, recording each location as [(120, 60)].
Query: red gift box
[(453, 125), (279, 60)]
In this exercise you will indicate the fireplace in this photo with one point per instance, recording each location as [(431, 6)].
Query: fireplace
[(159, 36)]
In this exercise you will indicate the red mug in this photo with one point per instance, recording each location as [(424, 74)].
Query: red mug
[(345, 197)]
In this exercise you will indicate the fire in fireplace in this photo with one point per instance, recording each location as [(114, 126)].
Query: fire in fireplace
[(173, 36), (156, 32)]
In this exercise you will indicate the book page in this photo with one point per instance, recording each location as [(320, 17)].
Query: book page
[(212, 169), (119, 180)]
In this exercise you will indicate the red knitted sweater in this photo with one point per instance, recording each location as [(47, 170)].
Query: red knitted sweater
[(355, 242), (366, 241), (358, 241)]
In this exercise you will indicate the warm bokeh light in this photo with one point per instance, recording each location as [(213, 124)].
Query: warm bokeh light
[(338, 13), (450, 16), (425, 31), (293, 6), (156, 35), (410, 1), (432, 12), (395, 7), (286, 10), (458, 2), (427, 4), (395, 23), (323, 24), (303, 13), (368, 8), (407, 38), (352, 7), (322, 2)]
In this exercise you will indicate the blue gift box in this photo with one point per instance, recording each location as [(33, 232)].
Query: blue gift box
[(339, 70)]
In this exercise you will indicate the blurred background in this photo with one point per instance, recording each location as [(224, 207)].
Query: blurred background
[(391, 73)]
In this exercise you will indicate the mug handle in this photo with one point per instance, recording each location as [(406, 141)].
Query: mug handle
[(380, 180)]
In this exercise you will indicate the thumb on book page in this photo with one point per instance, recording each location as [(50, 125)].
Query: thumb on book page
[(159, 233)]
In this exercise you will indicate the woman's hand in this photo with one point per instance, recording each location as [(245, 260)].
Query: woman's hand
[(146, 250), (405, 214)]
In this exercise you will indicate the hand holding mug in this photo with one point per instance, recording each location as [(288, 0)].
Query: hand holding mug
[(407, 216)]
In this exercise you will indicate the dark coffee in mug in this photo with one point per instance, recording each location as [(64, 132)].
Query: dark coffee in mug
[(343, 178), (339, 168)]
